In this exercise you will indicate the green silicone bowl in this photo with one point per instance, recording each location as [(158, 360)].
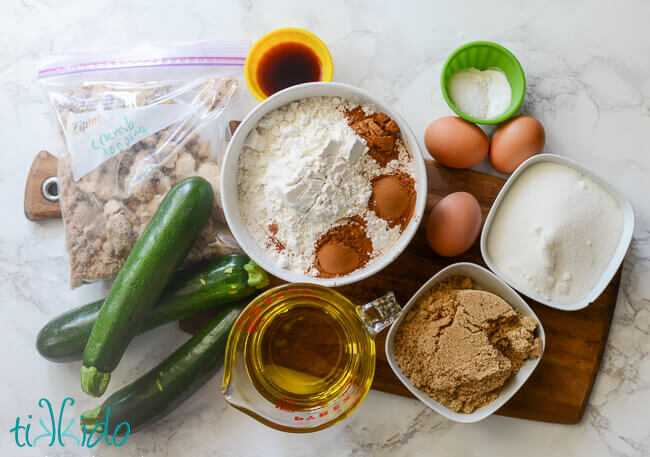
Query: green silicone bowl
[(484, 55)]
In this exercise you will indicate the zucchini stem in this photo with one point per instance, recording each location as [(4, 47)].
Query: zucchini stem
[(93, 381), (90, 419), (257, 277)]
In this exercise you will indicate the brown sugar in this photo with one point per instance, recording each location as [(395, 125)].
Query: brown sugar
[(393, 198), (380, 132), (343, 249), (460, 345)]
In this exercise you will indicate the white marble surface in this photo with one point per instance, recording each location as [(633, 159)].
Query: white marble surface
[(587, 65)]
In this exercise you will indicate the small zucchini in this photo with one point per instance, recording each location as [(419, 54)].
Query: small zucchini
[(154, 259), (198, 288), (156, 393)]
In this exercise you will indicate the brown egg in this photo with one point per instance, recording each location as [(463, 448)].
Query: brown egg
[(516, 141), (456, 143), (337, 259), (454, 224), (390, 198)]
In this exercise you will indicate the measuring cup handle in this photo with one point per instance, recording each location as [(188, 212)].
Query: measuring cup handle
[(380, 313)]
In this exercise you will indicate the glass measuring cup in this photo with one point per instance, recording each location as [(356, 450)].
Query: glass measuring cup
[(301, 357)]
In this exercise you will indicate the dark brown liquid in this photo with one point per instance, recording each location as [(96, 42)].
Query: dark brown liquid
[(287, 64)]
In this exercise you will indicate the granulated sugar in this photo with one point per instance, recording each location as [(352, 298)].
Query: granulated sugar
[(555, 232)]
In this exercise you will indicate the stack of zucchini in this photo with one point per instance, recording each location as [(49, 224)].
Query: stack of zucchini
[(149, 292)]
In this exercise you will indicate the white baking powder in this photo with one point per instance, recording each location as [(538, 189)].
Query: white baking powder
[(480, 94), (555, 232), (304, 170)]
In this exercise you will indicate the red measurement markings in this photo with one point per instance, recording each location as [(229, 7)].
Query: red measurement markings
[(286, 405), (350, 398), (248, 321), (311, 417), (252, 327)]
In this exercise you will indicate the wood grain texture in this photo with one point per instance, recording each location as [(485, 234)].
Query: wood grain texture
[(37, 208), (559, 388)]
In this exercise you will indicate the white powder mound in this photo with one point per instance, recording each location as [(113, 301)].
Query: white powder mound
[(304, 170), (480, 94), (555, 232)]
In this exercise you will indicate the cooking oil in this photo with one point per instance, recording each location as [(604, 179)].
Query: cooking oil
[(309, 349), (301, 357)]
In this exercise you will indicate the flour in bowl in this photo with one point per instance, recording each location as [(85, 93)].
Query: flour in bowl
[(304, 171)]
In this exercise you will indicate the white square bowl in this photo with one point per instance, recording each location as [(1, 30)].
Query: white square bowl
[(484, 279), (617, 258)]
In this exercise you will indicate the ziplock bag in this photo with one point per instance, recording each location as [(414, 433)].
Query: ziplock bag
[(136, 121)]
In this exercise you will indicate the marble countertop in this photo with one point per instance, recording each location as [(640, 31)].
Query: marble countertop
[(587, 68)]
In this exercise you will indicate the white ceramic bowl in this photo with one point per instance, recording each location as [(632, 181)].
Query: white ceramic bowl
[(617, 258), (230, 165), (487, 280)]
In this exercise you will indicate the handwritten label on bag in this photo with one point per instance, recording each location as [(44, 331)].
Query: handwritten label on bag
[(94, 137)]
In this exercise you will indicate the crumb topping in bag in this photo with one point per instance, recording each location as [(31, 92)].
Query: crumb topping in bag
[(108, 208)]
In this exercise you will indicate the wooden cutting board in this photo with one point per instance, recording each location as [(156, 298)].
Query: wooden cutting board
[(559, 388), (37, 207)]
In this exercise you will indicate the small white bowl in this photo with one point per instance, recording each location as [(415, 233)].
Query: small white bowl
[(617, 258), (487, 280), (230, 198)]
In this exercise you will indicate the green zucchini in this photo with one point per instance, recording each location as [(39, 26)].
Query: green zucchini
[(195, 289), (166, 386), (154, 259)]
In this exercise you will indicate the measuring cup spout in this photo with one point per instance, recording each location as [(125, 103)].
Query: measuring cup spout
[(380, 313)]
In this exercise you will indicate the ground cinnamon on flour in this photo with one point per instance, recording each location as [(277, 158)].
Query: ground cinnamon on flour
[(380, 132), (460, 345), (393, 198), (343, 249), (273, 239)]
